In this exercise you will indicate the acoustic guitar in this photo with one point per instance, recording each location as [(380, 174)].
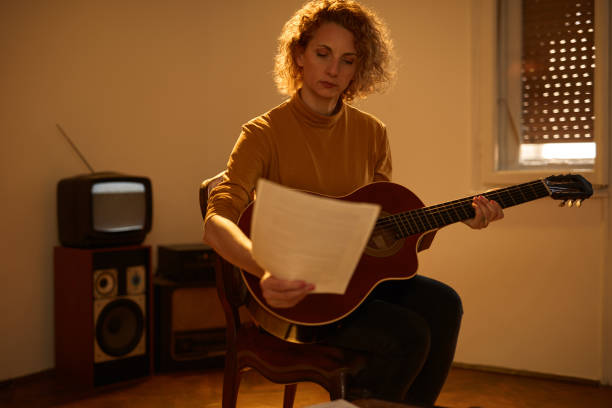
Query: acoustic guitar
[(404, 227)]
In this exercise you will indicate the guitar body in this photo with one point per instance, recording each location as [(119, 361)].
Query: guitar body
[(386, 257)]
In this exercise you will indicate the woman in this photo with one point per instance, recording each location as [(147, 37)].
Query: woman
[(331, 52)]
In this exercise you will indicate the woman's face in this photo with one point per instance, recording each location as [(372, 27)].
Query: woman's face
[(328, 64)]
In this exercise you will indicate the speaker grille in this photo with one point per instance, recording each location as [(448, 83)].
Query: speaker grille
[(120, 328)]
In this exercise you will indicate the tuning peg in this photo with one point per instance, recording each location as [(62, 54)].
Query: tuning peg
[(571, 203)]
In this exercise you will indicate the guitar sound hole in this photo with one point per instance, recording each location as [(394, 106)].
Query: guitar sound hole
[(383, 242)]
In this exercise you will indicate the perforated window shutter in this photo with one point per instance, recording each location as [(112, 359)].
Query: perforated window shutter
[(558, 71)]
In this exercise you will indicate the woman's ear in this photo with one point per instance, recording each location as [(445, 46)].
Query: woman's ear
[(299, 56)]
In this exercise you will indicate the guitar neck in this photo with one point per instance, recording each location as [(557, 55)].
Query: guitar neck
[(429, 218)]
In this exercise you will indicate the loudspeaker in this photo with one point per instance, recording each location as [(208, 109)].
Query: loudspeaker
[(103, 316), (189, 326)]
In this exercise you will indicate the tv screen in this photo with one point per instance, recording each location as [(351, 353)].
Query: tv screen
[(103, 209), (118, 206)]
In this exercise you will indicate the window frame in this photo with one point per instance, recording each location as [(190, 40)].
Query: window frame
[(486, 101)]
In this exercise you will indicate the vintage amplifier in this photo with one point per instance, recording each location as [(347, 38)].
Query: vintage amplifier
[(186, 263)]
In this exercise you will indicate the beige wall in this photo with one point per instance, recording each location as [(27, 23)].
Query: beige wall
[(160, 89)]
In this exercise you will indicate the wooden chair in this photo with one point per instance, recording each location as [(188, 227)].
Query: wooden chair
[(280, 361)]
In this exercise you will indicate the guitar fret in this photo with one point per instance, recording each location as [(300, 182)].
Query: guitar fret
[(398, 224), (419, 221), (514, 199), (535, 191), (414, 219), (511, 195), (523, 195), (408, 225), (396, 227), (531, 192), (506, 199), (517, 195), (433, 219), (427, 221), (466, 212), (497, 196), (424, 219), (457, 216), (437, 218), (419, 218), (414, 226), (520, 195), (542, 188), (448, 219), (450, 213)]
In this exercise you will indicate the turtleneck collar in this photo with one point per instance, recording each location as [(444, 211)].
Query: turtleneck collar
[(313, 118)]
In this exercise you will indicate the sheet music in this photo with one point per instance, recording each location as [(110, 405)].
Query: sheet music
[(297, 235), (339, 403)]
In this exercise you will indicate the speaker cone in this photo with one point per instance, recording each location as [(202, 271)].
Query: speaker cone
[(105, 283), (119, 327)]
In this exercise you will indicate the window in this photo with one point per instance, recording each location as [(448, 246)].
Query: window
[(541, 81)]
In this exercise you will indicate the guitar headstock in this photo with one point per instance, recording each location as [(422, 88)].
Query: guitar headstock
[(571, 188)]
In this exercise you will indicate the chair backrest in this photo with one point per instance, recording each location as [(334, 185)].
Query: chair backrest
[(230, 288), (205, 189)]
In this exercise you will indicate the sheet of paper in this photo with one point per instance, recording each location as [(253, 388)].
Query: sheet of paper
[(297, 235), (339, 403)]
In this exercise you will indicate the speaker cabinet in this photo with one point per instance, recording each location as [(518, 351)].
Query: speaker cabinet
[(103, 316), (189, 324)]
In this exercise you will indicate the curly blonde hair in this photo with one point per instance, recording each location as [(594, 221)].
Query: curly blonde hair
[(372, 42)]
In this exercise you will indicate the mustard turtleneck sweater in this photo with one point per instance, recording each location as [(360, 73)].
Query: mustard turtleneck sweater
[(296, 147)]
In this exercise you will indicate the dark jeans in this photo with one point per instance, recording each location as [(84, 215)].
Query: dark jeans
[(409, 329)]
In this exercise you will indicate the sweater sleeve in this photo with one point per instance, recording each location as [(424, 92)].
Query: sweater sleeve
[(383, 170), (248, 162)]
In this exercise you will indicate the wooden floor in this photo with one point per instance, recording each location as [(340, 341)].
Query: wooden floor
[(465, 388)]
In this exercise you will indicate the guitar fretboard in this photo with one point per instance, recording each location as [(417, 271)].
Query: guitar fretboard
[(429, 218)]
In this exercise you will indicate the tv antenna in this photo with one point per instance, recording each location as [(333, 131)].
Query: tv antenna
[(76, 149)]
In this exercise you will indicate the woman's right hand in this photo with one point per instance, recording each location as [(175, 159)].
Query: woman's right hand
[(283, 293)]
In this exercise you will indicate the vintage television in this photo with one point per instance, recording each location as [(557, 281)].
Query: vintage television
[(103, 209)]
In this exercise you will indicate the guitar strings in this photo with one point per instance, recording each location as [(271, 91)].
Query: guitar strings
[(418, 216), (428, 218)]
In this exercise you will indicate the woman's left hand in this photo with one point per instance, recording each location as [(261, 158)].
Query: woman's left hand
[(487, 211)]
